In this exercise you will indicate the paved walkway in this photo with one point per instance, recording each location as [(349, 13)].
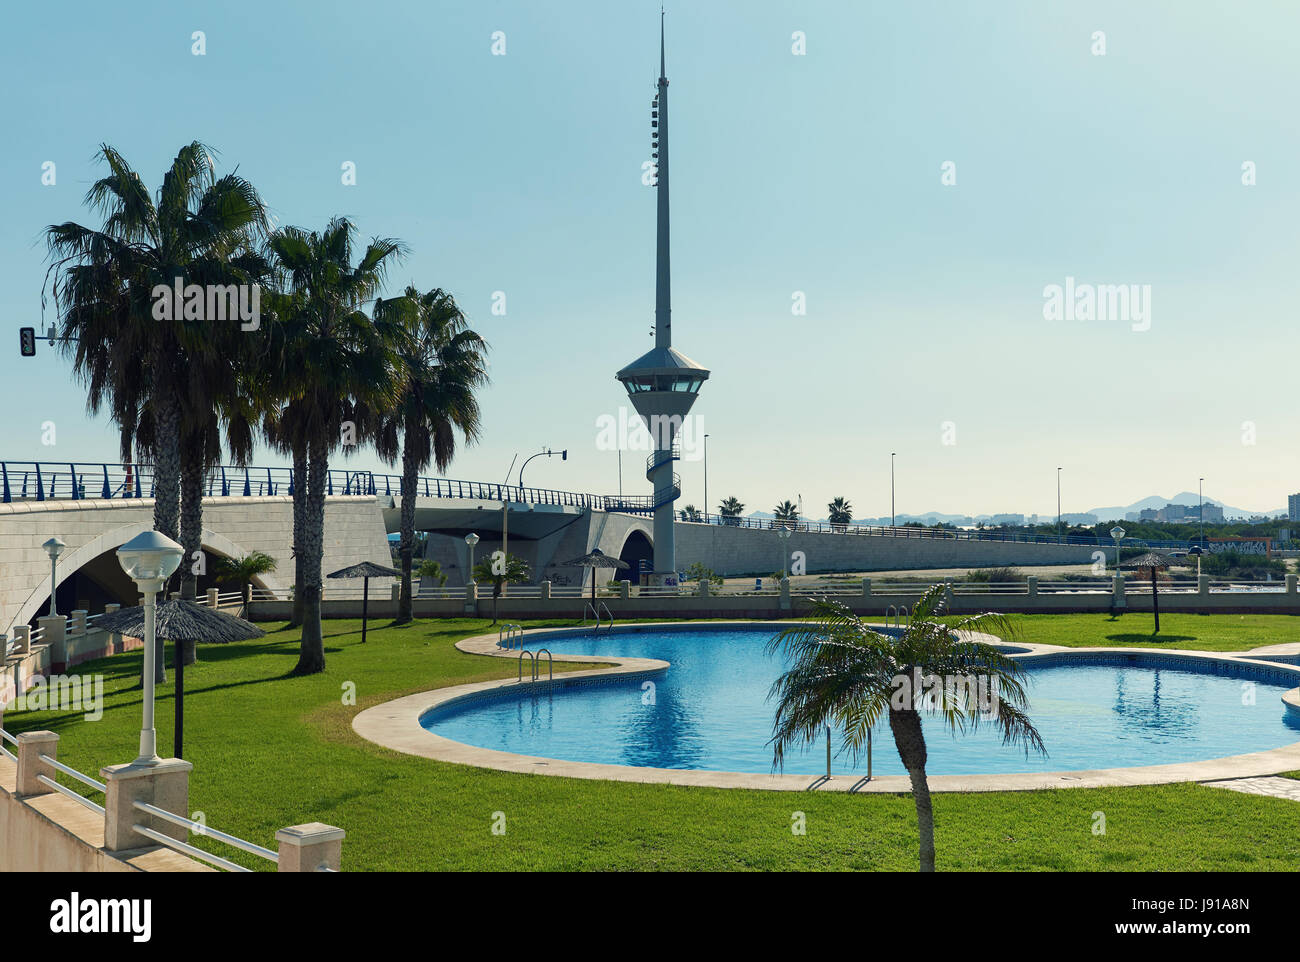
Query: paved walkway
[(1262, 785)]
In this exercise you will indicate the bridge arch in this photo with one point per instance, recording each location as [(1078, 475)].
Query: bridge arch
[(83, 555), (637, 546)]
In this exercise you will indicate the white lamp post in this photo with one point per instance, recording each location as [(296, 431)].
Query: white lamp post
[(471, 539), (149, 560), (784, 535), (54, 547), (1117, 533)]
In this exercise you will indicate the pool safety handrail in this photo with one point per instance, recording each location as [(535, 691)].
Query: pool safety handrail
[(605, 608), (550, 665), (531, 658), (511, 634), (891, 610), (595, 614)]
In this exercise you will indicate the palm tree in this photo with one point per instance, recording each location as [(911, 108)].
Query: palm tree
[(432, 570), (498, 572), (242, 571), (332, 366), (787, 512), (691, 513), (730, 510), (442, 363), (844, 673), (136, 361), (840, 512)]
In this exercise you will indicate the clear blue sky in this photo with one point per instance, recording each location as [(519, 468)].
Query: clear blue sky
[(817, 173)]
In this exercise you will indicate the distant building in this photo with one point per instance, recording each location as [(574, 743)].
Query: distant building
[(1293, 507), (1015, 520), (1086, 519), (1212, 512), (1148, 514), (1133, 516)]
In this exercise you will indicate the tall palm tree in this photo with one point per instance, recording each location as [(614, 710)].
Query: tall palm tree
[(442, 363), (840, 511), (135, 362), (844, 673), (730, 509), (331, 365)]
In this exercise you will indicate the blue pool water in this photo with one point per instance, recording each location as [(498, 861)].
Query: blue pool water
[(710, 711)]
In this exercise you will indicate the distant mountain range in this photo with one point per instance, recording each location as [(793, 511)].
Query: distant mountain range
[(1110, 513)]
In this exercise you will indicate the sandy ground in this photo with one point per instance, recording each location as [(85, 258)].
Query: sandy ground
[(1043, 572)]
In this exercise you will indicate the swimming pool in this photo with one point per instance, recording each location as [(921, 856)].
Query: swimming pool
[(710, 711)]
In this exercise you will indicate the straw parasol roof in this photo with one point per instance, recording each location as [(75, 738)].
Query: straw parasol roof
[(596, 559), (366, 569), (178, 620), (1152, 559)]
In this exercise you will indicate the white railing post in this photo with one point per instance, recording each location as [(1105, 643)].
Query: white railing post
[(1117, 597), (1203, 584), (1032, 583), (115, 639), (313, 847), (22, 639), (704, 588), (471, 598), (31, 746), (165, 784), (395, 593), (1290, 584), (785, 594), (866, 588), (546, 591), (625, 589), (214, 597), (78, 624)]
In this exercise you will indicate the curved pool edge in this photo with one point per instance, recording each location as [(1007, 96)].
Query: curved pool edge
[(396, 724)]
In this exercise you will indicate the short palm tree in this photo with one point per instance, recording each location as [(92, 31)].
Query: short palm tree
[(840, 511), (842, 673), (497, 572), (242, 571), (730, 509), (432, 570), (787, 511), (442, 363)]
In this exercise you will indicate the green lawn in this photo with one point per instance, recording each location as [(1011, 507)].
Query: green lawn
[(271, 750), (1134, 629)]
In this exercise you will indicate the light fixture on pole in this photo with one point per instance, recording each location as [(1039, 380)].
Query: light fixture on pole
[(471, 539), (784, 535), (564, 456), (1117, 533), (54, 547), (149, 559), (1197, 550)]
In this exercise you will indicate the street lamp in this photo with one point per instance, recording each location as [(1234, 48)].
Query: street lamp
[(1117, 533), (891, 489), (471, 539), (54, 547), (1200, 511), (1198, 551), (149, 559), (1058, 505), (564, 456), (706, 479), (505, 503), (784, 535)]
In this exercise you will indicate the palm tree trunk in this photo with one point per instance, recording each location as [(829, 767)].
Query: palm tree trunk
[(167, 444), (406, 546), (191, 529), (299, 528), (311, 655), (908, 737)]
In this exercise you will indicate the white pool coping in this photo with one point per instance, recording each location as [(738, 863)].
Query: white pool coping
[(396, 724)]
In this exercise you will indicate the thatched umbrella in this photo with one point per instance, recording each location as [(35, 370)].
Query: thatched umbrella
[(1152, 560), (596, 559), (178, 621), (365, 570)]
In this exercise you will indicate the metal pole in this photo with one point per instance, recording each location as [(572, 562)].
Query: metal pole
[(365, 606), (54, 564), (706, 479), (868, 754), (1200, 510), (828, 751), (1058, 505), (891, 489), (178, 736), (148, 737)]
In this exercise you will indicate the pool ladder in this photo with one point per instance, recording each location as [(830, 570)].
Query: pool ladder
[(899, 612), (534, 662), (510, 636), (596, 613)]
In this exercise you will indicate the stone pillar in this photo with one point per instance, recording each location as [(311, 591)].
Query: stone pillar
[(77, 625), (395, 593), (471, 598), (1032, 583), (625, 589), (116, 638), (31, 746), (785, 594), (546, 591), (1117, 597), (866, 587), (704, 587), (1203, 584), (1290, 584), (52, 634), (166, 785), (23, 639), (310, 848), (214, 597)]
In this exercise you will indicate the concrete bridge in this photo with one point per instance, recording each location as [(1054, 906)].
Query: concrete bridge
[(97, 508)]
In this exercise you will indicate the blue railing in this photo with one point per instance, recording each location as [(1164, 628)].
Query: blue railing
[(48, 480)]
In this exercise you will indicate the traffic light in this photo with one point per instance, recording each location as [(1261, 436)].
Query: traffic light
[(27, 339)]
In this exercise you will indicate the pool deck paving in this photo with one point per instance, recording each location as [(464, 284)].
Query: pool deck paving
[(396, 725)]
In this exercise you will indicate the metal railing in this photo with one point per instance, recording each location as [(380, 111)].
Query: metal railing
[(510, 637), (64, 790)]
